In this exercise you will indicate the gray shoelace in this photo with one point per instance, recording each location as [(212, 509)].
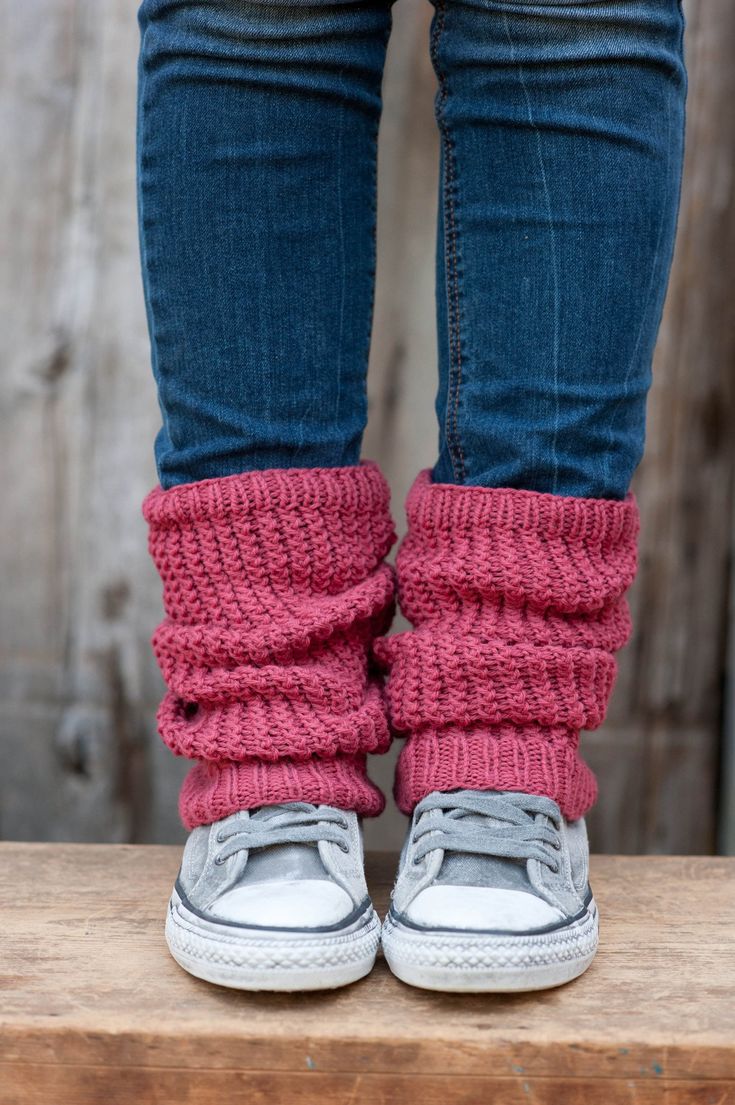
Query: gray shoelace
[(290, 823), (490, 824)]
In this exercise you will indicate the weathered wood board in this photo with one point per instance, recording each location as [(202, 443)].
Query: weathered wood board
[(78, 686), (93, 1008)]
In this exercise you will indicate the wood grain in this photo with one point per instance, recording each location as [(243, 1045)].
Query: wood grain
[(77, 419), (91, 1001), (78, 683)]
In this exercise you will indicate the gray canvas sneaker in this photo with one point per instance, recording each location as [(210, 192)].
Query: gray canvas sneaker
[(492, 894), (275, 899)]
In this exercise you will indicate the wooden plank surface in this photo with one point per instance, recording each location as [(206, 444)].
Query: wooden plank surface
[(93, 1008)]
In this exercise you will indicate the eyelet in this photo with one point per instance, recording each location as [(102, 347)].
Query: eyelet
[(218, 861), (556, 844), (345, 848), (218, 837), (415, 861), (555, 869), (343, 825)]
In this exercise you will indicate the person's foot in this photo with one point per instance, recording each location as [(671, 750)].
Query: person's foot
[(274, 899), (492, 894)]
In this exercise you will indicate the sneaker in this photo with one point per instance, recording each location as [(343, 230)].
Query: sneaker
[(275, 899), (491, 895)]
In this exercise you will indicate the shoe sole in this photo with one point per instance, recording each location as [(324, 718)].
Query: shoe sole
[(271, 959), (500, 963)]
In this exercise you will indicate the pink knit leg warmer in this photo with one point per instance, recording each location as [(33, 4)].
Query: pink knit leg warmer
[(517, 602), (274, 587)]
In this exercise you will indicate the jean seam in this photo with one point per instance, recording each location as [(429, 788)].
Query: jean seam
[(451, 260), (374, 231), (144, 222)]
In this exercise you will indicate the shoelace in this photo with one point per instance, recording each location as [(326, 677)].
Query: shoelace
[(291, 823), (518, 835)]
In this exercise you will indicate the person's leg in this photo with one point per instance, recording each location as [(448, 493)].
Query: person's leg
[(256, 166), (562, 137), (562, 129), (257, 150)]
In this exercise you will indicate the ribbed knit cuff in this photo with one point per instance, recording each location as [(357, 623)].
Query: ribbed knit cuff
[(526, 759), (517, 602), (547, 552), (212, 791), (283, 532)]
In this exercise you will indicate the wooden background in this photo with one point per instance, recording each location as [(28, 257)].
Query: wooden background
[(78, 687)]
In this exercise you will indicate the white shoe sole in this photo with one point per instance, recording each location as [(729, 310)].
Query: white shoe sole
[(271, 959), (488, 962)]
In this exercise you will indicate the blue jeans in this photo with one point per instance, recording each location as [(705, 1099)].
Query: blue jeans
[(561, 126)]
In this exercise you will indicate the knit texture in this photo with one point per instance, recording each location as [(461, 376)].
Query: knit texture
[(517, 599), (274, 587)]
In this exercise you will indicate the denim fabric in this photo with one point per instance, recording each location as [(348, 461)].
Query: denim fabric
[(561, 130)]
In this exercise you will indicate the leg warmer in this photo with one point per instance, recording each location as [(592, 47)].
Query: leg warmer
[(274, 587), (517, 602)]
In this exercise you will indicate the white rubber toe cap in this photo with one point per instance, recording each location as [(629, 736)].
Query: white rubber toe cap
[(300, 903), (480, 907)]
